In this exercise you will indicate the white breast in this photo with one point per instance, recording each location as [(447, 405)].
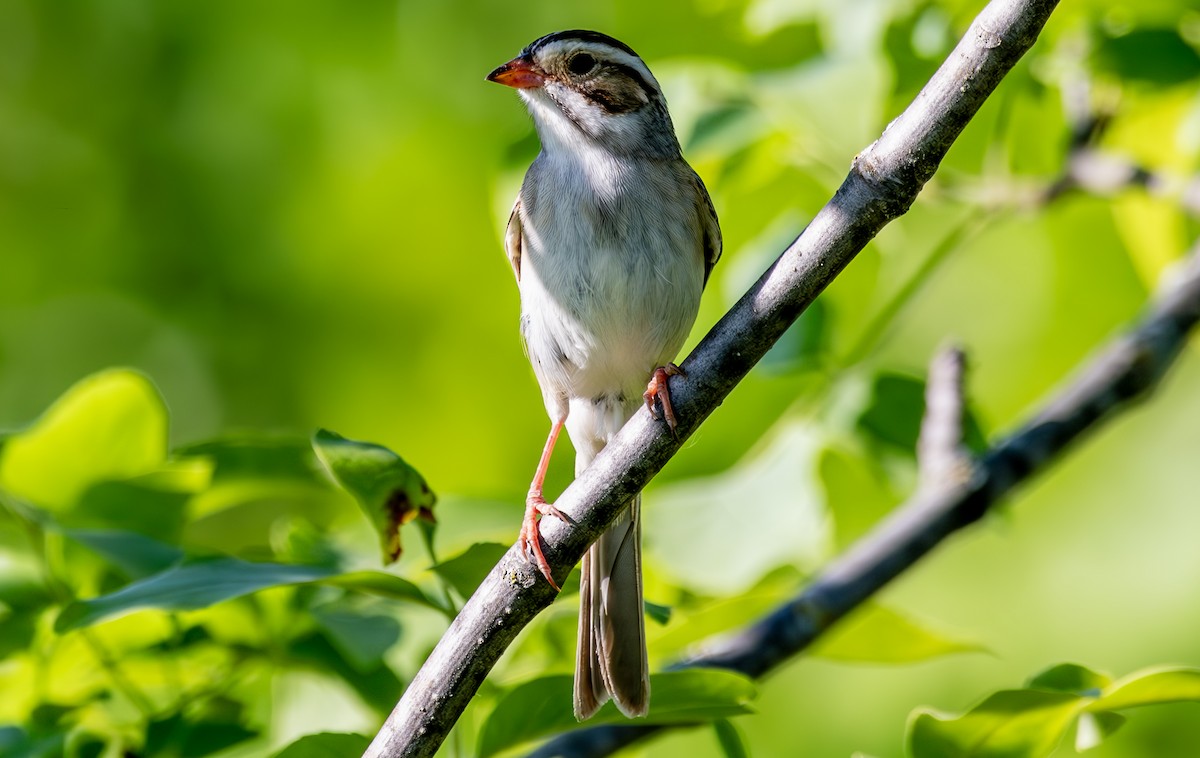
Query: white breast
[(611, 271)]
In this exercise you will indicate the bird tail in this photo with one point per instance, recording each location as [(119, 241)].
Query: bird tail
[(611, 657)]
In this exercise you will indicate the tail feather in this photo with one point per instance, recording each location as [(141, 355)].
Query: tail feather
[(611, 656), (611, 659)]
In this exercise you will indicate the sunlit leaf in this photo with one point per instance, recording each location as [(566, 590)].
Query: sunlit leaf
[(389, 491), (466, 570), (875, 634), (544, 706), (199, 583), (112, 425), (1007, 724), (1150, 687), (325, 745)]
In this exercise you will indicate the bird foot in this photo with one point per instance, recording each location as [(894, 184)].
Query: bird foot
[(530, 539), (658, 388)]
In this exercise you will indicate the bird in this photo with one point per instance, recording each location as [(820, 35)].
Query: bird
[(612, 240)]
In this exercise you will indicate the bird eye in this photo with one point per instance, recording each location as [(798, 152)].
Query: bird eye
[(581, 63)]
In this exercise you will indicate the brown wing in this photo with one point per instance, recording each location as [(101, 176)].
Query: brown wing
[(710, 234), (512, 239)]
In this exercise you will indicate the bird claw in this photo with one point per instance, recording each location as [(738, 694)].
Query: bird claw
[(660, 389), (530, 539)]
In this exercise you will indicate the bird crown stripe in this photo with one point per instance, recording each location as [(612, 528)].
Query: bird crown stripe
[(581, 35)]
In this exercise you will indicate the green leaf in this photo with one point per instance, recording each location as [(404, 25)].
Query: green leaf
[(1008, 724), (857, 491), (131, 506), (1072, 679), (249, 468), (1150, 687), (111, 425), (658, 613), (214, 726), (875, 634), (894, 414), (383, 584), (389, 491), (467, 570), (544, 706), (15, 743), (361, 638), (1157, 55), (258, 456), (730, 739), (326, 745), (135, 555), (199, 583)]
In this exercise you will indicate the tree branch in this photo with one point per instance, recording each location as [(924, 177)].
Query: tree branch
[(1123, 372), (883, 182)]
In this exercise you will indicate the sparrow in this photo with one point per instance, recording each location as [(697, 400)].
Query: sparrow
[(612, 240)]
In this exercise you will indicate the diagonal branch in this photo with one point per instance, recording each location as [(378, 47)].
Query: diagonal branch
[(883, 182), (1128, 368)]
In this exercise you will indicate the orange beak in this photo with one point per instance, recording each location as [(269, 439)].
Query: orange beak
[(519, 73)]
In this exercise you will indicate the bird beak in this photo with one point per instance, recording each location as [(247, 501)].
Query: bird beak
[(520, 73)]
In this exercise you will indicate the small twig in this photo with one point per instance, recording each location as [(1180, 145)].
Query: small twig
[(941, 452), (1128, 368)]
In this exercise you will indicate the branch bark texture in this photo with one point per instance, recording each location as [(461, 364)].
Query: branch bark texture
[(1128, 368), (883, 182)]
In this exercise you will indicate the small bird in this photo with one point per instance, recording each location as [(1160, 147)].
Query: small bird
[(612, 240)]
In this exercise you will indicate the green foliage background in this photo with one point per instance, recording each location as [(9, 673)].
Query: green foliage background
[(288, 216)]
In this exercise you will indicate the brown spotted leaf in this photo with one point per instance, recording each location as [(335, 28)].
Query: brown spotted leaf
[(391, 492)]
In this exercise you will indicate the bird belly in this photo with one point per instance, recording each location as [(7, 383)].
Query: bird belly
[(598, 321)]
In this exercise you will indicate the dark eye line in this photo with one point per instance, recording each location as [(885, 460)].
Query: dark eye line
[(636, 76)]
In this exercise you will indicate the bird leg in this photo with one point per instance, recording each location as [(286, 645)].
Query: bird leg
[(535, 503), (658, 388)]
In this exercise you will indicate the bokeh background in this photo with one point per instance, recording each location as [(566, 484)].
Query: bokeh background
[(289, 216)]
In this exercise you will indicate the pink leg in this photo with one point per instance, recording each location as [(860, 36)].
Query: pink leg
[(535, 503), (658, 388)]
